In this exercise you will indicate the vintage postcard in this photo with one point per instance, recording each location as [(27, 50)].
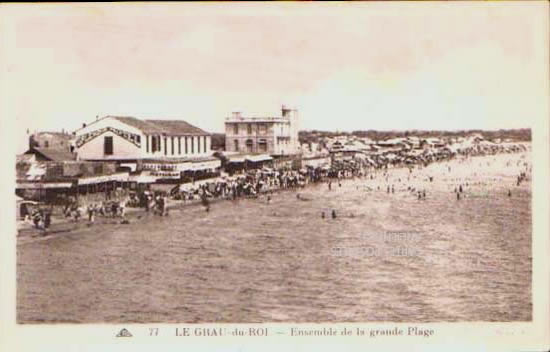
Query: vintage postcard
[(240, 176)]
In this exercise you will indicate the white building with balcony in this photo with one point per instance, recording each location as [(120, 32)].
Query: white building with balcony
[(274, 135)]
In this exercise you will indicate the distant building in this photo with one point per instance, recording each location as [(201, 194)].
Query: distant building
[(393, 143), (274, 135), (51, 140), (432, 143)]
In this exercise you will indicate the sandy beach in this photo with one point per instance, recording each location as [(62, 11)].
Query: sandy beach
[(385, 257)]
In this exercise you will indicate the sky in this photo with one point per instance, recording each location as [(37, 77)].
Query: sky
[(344, 66)]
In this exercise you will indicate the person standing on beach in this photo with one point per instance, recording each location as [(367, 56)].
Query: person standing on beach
[(122, 208), (47, 219), (36, 218), (205, 202), (91, 210)]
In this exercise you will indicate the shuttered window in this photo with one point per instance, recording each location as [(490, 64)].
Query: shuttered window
[(108, 145)]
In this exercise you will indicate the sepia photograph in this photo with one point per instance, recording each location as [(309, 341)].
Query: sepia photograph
[(255, 164)]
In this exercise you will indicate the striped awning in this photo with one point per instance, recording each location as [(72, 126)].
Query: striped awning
[(119, 177), (142, 178), (257, 158), (43, 185), (204, 165), (237, 158)]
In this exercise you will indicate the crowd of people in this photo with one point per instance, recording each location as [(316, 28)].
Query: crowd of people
[(254, 182)]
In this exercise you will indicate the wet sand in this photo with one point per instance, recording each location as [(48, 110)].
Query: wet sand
[(386, 257)]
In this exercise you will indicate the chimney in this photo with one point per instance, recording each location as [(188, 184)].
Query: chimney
[(237, 114), (96, 117), (285, 111), (83, 125)]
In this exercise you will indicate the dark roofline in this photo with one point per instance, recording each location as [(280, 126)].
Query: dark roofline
[(91, 123), (53, 156), (158, 124), (149, 121), (57, 133)]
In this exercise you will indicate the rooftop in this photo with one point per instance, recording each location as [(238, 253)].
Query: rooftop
[(177, 127), (165, 127), (53, 134), (53, 154), (256, 119)]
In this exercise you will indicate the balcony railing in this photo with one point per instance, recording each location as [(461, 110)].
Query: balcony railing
[(255, 119)]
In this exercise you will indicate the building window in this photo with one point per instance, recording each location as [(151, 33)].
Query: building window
[(179, 145), (204, 144), (155, 143), (262, 145), (249, 145), (147, 143), (108, 145), (236, 142), (165, 146), (192, 145), (236, 128), (46, 144), (172, 145), (185, 145), (249, 128)]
